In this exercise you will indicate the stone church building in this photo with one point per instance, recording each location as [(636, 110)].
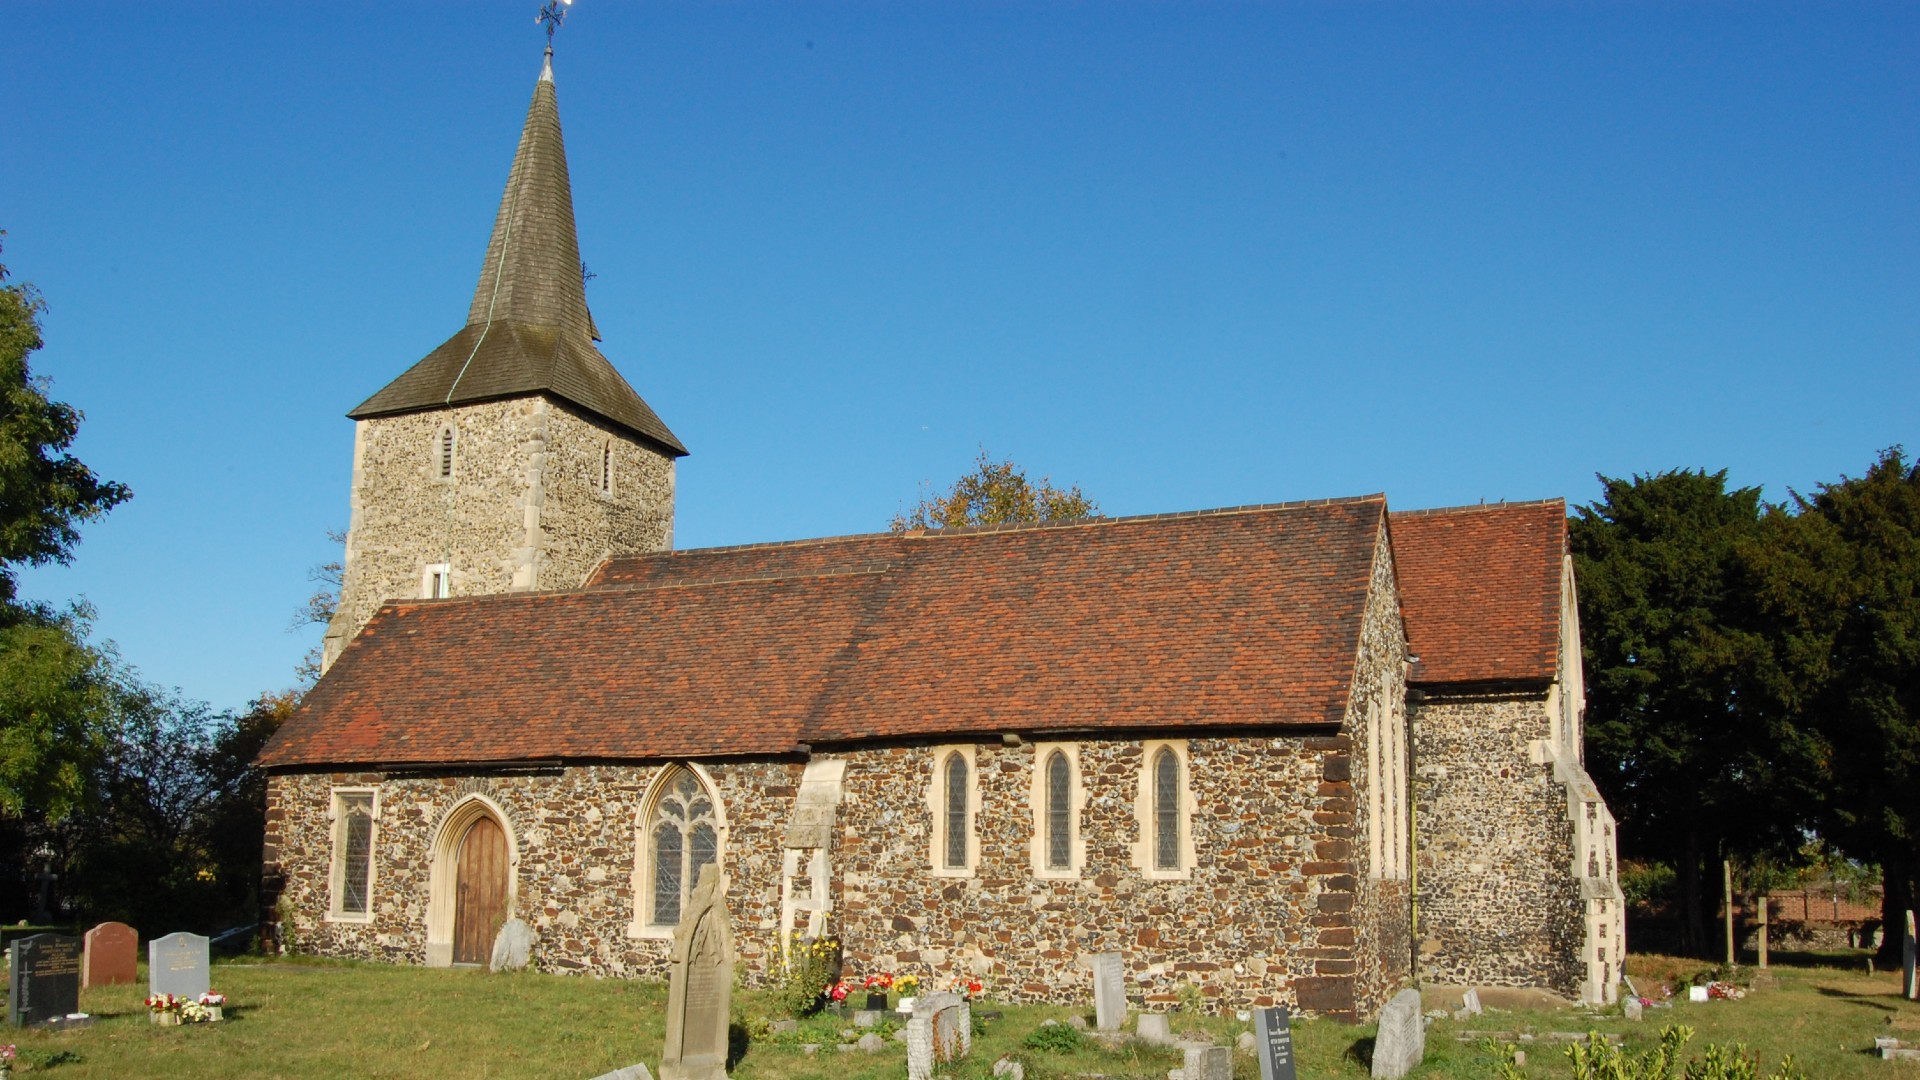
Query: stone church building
[(1300, 753)]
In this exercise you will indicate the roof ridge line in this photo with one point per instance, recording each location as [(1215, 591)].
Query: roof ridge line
[(1504, 504)]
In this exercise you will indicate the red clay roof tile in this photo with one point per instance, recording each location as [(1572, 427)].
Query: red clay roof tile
[(1480, 590)]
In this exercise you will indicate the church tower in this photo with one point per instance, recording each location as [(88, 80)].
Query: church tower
[(513, 457)]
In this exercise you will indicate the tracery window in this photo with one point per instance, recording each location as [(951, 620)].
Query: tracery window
[(683, 835), (1166, 810), (353, 814), (957, 825)]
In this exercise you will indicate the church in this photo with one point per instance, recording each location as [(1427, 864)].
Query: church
[(1299, 753)]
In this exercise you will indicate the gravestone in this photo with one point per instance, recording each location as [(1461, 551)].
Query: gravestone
[(1401, 1041), (177, 965), (1204, 1063), (1153, 1028), (1633, 1010), (512, 947), (1470, 1002), (700, 985), (44, 979), (112, 955), (1909, 987), (1109, 991), (940, 1031), (1273, 1042), (631, 1072)]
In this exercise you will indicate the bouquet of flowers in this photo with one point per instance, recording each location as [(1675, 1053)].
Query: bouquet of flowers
[(213, 998), (838, 991), (882, 981), (166, 1003), (908, 985), (7, 1053), (967, 988)]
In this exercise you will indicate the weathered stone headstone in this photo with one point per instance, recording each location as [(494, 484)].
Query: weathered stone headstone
[(1470, 1002), (1009, 1069), (940, 1031), (1273, 1043), (512, 947), (1401, 1041), (1909, 989), (177, 965), (1633, 1009), (1109, 991), (631, 1072), (44, 979), (1204, 1063), (871, 1043), (1153, 1028), (112, 955), (700, 985)]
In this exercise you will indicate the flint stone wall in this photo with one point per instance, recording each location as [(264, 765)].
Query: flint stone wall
[(523, 509), (1499, 905)]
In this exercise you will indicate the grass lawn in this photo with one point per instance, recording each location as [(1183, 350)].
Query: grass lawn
[(321, 1019)]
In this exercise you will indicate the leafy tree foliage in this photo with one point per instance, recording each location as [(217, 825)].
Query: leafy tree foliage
[(1685, 734), (996, 493)]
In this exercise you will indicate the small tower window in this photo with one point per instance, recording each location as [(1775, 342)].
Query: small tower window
[(443, 453), (606, 467), (436, 581)]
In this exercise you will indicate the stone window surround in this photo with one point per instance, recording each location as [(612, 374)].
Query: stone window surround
[(642, 891), (337, 863), (444, 858), (603, 485), (1143, 848), (427, 573), (1076, 802), (445, 464), (937, 807)]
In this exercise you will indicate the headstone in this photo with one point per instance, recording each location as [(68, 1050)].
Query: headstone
[(1909, 989), (1204, 1063), (872, 1043), (112, 955), (866, 1018), (700, 985), (631, 1072), (778, 1027), (177, 965), (940, 1031), (1633, 1009), (1245, 1042), (1470, 1002), (1273, 1042), (1153, 1028), (1109, 991), (44, 979), (1009, 1069), (1401, 1041), (512, 947)]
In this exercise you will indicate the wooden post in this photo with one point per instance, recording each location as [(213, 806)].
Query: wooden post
[(1765, 902), (1726, 879)]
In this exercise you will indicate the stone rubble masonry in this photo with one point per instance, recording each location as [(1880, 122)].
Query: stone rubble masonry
[(1499, 905), (522, 511)]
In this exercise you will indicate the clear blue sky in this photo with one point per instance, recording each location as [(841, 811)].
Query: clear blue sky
[(1183, 254)]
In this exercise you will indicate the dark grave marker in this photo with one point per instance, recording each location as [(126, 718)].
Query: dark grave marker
[(1273, 1041), (45, 983)]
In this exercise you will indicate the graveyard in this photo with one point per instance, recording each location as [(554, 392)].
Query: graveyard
[(297, 1017)]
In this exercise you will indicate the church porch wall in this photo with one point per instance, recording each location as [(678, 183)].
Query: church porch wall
[(575, 831), (1498, 902)]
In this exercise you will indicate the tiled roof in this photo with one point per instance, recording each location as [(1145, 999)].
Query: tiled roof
[(528, 329), (1214, 619), (1480, 590)]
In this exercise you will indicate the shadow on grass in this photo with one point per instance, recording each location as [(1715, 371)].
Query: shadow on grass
[(737, 1044), (1361, 1052), (1861, 1000)]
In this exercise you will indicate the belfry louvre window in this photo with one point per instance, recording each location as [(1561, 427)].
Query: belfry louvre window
[(445, 453), (682, 837), (606, 468), (956, 813), (1166, 811), (1059, 813), (352, 852)]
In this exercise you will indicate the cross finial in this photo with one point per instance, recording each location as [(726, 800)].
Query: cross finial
[(552, 14)]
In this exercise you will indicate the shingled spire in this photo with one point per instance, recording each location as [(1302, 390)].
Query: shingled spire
[(528, 330)]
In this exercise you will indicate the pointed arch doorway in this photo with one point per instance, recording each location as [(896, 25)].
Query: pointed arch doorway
[(480, 891), (472, 882)]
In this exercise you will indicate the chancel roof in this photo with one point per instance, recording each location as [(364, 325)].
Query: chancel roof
[(1480, 589), (528, 329), (1215, 619)]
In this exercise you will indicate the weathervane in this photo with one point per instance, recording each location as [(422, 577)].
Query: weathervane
[(552, 14)]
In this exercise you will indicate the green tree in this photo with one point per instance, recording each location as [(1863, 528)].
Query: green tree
[(1685, 732), (1843, 587), (996, 493)]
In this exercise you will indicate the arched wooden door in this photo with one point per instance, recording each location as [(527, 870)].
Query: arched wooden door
[(480, 892)]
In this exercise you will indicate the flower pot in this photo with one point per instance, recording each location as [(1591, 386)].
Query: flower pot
[(876, 1002), (165, 1018), (214, 1013), (906, 1004)]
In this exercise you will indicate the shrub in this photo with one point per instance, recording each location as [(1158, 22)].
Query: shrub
[(1055, 1039), (1597, 1059), (813, 964)]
